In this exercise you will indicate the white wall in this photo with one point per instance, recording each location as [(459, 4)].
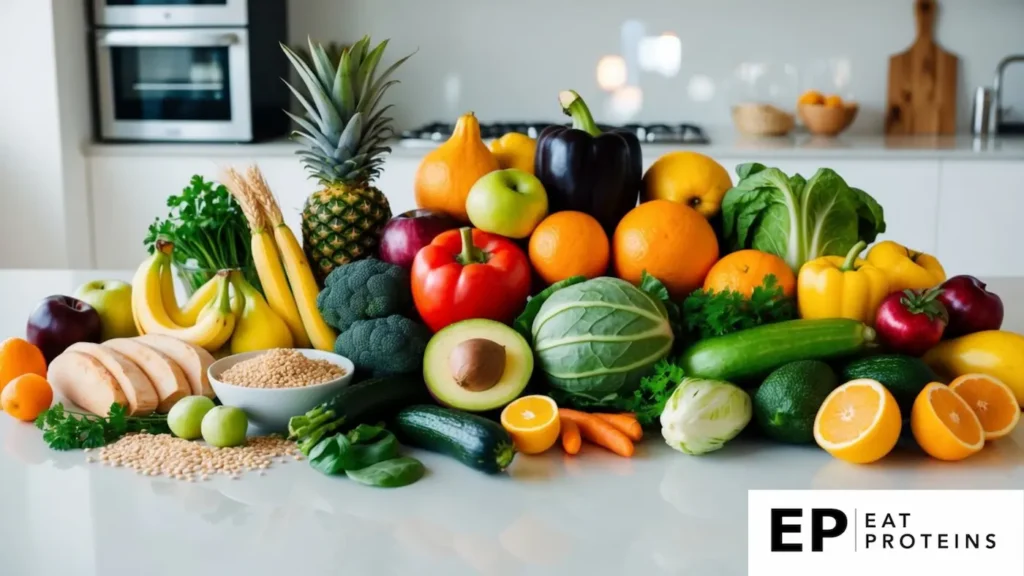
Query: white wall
[(508, 59), (43, 119)]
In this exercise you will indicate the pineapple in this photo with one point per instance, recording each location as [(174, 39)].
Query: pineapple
[(343, 135)]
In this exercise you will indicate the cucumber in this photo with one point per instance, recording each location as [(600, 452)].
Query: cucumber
[(904, 376), (473, 440), (366, 402), (750, 354)]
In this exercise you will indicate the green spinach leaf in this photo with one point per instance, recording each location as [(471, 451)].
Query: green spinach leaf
[(325, 457), (364, 433), (392, 473)]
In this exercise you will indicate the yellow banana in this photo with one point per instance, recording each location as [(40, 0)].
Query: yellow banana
[(188, 314), (214, 325), (304, 287), (275, 285), (258, 326)]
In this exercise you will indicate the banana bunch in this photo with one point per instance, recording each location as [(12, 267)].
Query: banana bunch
[(213, 317)]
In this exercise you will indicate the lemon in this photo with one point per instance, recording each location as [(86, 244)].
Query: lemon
[(688, 178)]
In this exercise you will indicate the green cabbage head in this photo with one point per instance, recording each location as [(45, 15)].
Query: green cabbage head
[(594, 341)]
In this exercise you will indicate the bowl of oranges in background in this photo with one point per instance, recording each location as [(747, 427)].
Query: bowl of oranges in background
[(825, 115)]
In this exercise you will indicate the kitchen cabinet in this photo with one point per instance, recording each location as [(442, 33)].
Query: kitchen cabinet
[(980, 213)]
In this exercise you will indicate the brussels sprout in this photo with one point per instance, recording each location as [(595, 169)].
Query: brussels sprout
[(702, 415)]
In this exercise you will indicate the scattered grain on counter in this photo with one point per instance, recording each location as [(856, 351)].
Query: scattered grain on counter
[(165, 455), (281, 368)]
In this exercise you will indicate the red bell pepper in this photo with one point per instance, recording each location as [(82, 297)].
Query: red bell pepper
[(469, 273)]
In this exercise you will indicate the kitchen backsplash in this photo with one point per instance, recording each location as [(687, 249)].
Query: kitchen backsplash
[(658, 60)]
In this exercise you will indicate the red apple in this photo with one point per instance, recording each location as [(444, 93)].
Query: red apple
[(60, 321), (971, 307), (911, 322), (406, 233)]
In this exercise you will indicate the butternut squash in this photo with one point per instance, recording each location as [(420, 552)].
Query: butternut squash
[(446, 174), (83, 381)]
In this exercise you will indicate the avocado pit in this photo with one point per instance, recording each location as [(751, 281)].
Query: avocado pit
[(477, 364)]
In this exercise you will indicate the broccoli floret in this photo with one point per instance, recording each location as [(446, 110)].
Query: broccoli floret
[(384, 346), (363, 290)]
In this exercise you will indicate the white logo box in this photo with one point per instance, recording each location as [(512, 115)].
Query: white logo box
[(983, 533)]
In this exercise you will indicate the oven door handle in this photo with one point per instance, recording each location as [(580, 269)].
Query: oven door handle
[(187, 39)]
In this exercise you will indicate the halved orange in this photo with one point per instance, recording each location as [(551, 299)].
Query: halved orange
[(859, 422), (993, 402), (944, 424), (533, 423)]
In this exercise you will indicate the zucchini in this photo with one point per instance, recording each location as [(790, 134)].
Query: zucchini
[(366, 402), (473, 440), (749, 354)]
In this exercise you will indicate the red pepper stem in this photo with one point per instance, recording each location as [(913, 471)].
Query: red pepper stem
[(470, 253), (574, 106), (850, 264)]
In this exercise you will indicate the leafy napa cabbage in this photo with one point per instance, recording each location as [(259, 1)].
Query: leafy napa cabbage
[(797, 219)]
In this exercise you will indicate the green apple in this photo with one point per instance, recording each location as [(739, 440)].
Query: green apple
[(225, 427), (186, 416), (507, 202), (113, 300)]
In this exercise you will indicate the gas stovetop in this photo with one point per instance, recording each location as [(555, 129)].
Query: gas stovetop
[(647, 133)]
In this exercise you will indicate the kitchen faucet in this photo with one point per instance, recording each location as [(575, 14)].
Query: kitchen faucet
[(998, 88)]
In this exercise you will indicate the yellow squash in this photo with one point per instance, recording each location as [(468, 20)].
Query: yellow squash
[(258, 326), (836, 287), (515, 150), (906, 268), (447, 173), (995, 353)]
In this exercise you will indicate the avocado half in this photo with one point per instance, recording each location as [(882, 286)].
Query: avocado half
[(477, 365)]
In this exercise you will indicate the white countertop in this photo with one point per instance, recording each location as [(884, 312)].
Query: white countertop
[(724, 144), (659, 513)]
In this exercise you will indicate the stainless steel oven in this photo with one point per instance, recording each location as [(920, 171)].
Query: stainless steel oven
[(172, 13), (201, 83)]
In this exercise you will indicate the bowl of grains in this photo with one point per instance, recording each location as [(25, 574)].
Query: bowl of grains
[(271, 386)]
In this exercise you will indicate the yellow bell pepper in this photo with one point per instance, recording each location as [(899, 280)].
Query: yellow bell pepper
[(515, 150), (996, 353), (906, 269), (837, 287)]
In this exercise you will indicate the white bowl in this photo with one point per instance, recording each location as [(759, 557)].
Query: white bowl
[(270, 408)]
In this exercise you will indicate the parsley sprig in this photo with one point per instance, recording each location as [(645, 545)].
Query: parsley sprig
[(709, 314), (67, 430), (208, 230), (649, 399)]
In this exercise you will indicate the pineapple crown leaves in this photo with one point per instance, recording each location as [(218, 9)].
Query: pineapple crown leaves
[(345, 128)]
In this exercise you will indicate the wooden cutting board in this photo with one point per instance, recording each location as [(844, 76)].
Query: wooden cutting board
[(922, 82)]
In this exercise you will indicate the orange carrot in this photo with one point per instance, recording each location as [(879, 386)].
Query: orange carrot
[(571, 437), (624, 423), (599, 432)]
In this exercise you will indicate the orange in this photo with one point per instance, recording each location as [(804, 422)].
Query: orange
[(19, 357), (689, 178), (569, 244), (672, 242), (944, 424), (811, 97), (859, 422), (992, 401), (745, 270), (26, 397), (833, 101), (533, 423)]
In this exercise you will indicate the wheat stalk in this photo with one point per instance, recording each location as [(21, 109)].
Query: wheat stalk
[(261, 191), (243, 194)]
